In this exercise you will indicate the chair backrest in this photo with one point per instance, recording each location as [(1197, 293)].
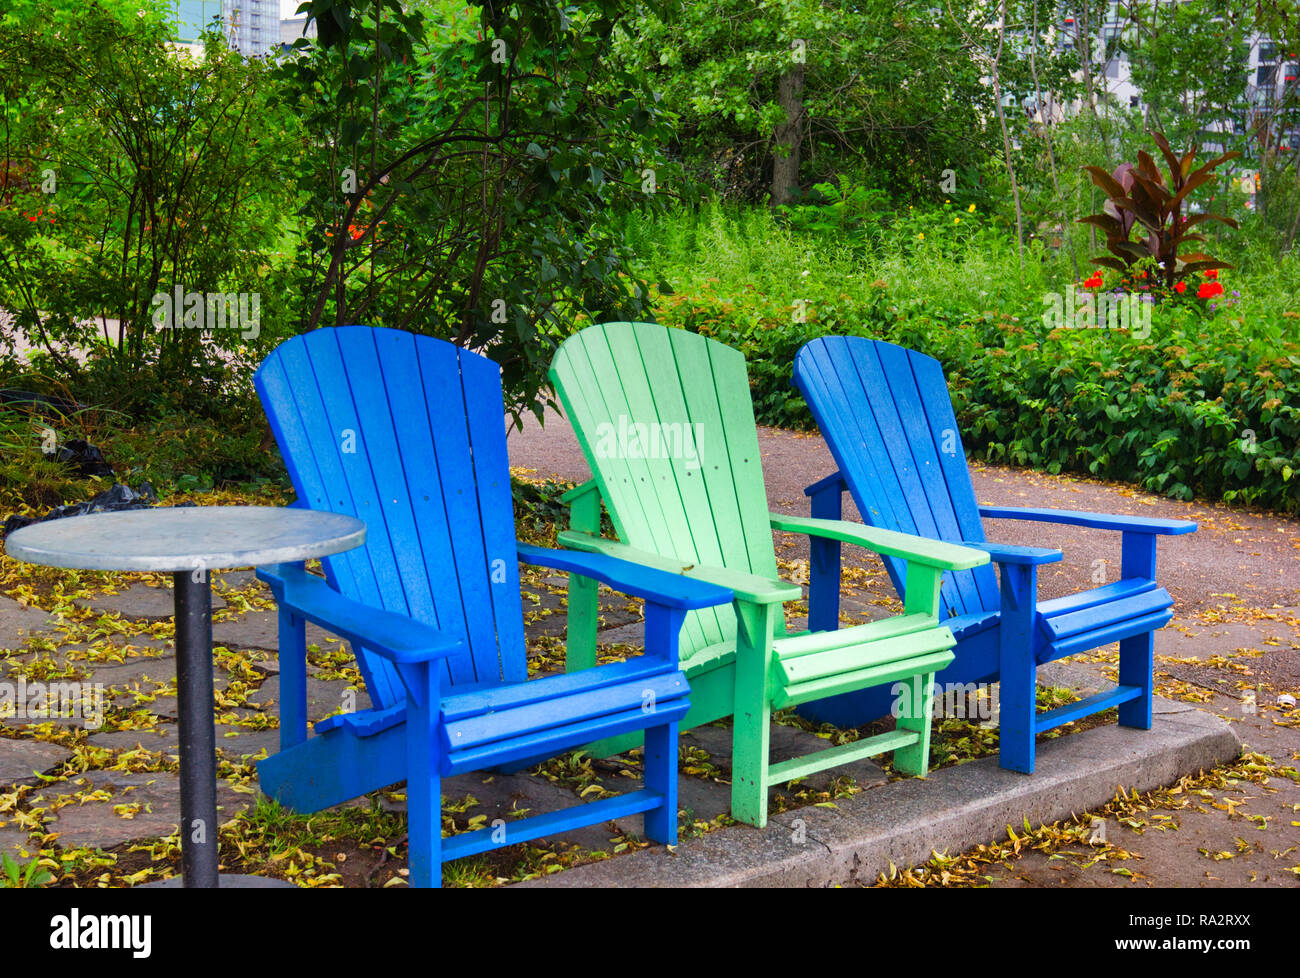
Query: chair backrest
[(667, 424), (887, 417), (408, 434)]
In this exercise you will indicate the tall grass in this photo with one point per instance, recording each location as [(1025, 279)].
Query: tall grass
[(1207, 405)]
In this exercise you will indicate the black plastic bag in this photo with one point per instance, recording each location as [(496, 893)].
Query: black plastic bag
[(87, 459), (116, 497)]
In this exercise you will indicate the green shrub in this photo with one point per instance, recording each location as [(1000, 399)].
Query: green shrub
[(1207, 405)]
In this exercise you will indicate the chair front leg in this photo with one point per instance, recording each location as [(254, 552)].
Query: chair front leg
[(293, 678), (663, 626), (753, 711), (1017, 666), (915, 705), (291, 653), (1137, 653), (661, 776), (423, 779)]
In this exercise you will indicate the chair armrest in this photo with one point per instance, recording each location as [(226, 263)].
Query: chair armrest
[(638, 580), (395, 637), (1005, 553), (1100, 521), (922, 550), (834, 481), (745, 587)]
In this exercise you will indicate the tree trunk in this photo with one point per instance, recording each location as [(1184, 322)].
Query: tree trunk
[(788, 136)]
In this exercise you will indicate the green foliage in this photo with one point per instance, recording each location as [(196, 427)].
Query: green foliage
[(1139, 195), (841, 207), (132, 170), (1177, 56), (458, 171), (890, 94), (1207, 405), (17, 876)]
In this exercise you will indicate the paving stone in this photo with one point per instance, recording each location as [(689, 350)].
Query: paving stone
[(16, 667), (165, 707), (631, 634), (18, 623), (703, 799), (132, 647), (139, 600), (503, 795), (74, 658), (19, 758), (237, 742), (15, 843), (785, 743), (612, 610), (96, 825), (164, 737), (1081, 677), (260, 630), (864, 608), (234, 579), (323, 697), (267, 663), (143, 672)]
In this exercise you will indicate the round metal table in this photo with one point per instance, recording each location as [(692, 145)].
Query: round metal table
[(189, 542)]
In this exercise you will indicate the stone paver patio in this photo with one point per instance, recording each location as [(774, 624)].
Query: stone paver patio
[(73, 792)]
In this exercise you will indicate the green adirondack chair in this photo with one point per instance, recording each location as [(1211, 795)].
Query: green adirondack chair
[(667, 425)]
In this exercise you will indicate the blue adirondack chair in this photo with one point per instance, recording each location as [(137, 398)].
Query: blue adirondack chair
[(407, 433), (889, 422)]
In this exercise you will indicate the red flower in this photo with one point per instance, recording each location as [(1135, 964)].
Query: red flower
[(1209, 290), (1094, 281), (1213, 273), (1180, 287)]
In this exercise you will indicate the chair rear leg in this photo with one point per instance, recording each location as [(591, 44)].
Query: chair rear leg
[(1017, 667), (749, 762), (914, 714), (1136, 666), (661, 776)]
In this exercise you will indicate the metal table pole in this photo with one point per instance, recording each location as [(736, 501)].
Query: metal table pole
[(198, 737)]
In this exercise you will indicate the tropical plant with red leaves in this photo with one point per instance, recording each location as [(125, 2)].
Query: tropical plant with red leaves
[(1139, 195)]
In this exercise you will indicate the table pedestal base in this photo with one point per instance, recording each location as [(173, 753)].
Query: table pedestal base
[(198, 735), (228, 881)]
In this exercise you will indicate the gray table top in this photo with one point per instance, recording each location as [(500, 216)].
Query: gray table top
[(186, 538)]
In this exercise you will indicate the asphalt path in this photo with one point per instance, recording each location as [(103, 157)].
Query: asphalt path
[(1236, 557)]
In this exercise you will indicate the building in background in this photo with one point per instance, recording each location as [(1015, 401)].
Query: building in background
[(295, 27), (252, 27), (1269, 109)]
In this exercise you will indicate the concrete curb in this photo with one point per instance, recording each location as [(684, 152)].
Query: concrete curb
[(953, 809)]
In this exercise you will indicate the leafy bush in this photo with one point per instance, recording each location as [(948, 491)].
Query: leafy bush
[(132, 171), (458, 172), (1207, 405)]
